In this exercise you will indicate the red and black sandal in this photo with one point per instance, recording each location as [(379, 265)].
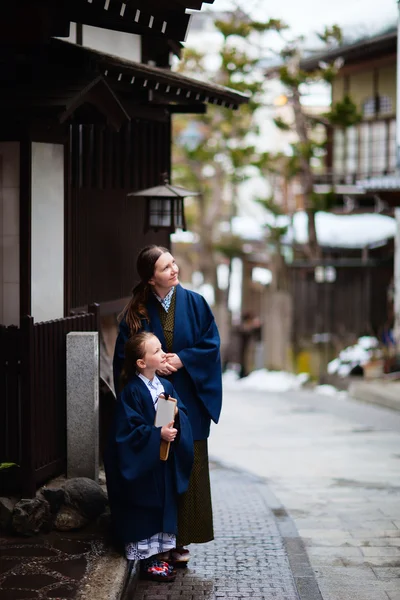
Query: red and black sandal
[(152, 569)]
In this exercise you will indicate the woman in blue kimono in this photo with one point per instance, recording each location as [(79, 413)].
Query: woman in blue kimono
[(184, 323), (143, 489)]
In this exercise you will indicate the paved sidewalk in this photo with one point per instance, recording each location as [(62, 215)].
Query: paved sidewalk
[(247, 559), (380, 392), (334, 464)]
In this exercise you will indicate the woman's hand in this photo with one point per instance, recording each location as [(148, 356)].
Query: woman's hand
[(167, 369), (168, 432), (173, 360)]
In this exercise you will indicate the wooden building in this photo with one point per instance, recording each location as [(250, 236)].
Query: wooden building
[(368, 148), (331, 312), (80, 128)]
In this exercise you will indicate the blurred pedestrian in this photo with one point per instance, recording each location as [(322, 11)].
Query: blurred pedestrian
[(249, 330)]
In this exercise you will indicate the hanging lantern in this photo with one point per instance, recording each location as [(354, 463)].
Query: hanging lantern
[(164, 206)]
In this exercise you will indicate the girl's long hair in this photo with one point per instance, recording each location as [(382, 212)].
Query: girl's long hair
[(135, 348), (135, 311)]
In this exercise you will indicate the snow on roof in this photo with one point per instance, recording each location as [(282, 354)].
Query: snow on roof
[(344, 231), (333, 231)]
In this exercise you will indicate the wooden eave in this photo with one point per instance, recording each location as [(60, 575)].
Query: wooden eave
[(153, 17), (33, 21), (62, 99), (365, 49), (153, 84), (119, 16)]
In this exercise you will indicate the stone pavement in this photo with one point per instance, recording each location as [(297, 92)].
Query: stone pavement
[(44, 567), (247, 559), (334, 464), (60, 566)]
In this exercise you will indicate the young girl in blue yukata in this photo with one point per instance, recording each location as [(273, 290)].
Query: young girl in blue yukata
[(143, 489)]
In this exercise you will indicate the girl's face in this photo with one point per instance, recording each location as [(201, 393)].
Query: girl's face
[(154, 356), (165, 273)]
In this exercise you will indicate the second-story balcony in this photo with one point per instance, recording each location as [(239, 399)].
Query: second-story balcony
[(360, 152)]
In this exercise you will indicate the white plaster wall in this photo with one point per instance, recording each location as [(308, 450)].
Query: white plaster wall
[(72, 34), (118, 43), (124, 45), (47, 231), (9, 232)]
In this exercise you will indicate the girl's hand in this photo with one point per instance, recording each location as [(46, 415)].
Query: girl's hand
[(168, 432), (174, 360)]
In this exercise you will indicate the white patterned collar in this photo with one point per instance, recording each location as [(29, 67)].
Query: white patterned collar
[(154, 386), (165, 302)]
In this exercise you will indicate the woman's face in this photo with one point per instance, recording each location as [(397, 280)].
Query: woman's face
[(165, 273)]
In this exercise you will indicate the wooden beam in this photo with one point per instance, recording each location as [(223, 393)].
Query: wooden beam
[(25, 217), (99, 94), (368, 64), (194, 109), (148, 112)]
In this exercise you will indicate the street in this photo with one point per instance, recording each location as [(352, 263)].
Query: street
[(334, 465)]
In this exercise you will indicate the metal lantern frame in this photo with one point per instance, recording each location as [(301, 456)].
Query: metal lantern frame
[(164, 206)]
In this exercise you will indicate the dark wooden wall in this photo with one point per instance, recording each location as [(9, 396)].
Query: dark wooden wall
[(105, 228), (33, 400), (355, 304)]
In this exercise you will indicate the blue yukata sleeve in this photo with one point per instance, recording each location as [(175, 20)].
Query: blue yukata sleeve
[(136, 439), (202, 361)]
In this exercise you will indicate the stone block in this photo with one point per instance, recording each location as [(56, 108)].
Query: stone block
[(83, 404)]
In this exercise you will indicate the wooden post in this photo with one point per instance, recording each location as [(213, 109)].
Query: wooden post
[(95, 310), (28, 487)]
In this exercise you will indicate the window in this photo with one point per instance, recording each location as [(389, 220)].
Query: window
[(364, 149), (369, 107), (351, 150), (338, 151), (378, 148), (392, 145), (385, 105), (379, 105)]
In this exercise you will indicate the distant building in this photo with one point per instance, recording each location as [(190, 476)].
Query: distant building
[(367, 150)]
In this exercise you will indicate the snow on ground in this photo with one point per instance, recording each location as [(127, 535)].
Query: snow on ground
[(264, 380), (326, 390), (359, 354)]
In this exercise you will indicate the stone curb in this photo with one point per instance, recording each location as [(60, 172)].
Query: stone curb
[(303, 575), (108, 578), (376, 394)]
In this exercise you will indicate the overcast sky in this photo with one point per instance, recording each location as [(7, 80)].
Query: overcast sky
[(305, 16)]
